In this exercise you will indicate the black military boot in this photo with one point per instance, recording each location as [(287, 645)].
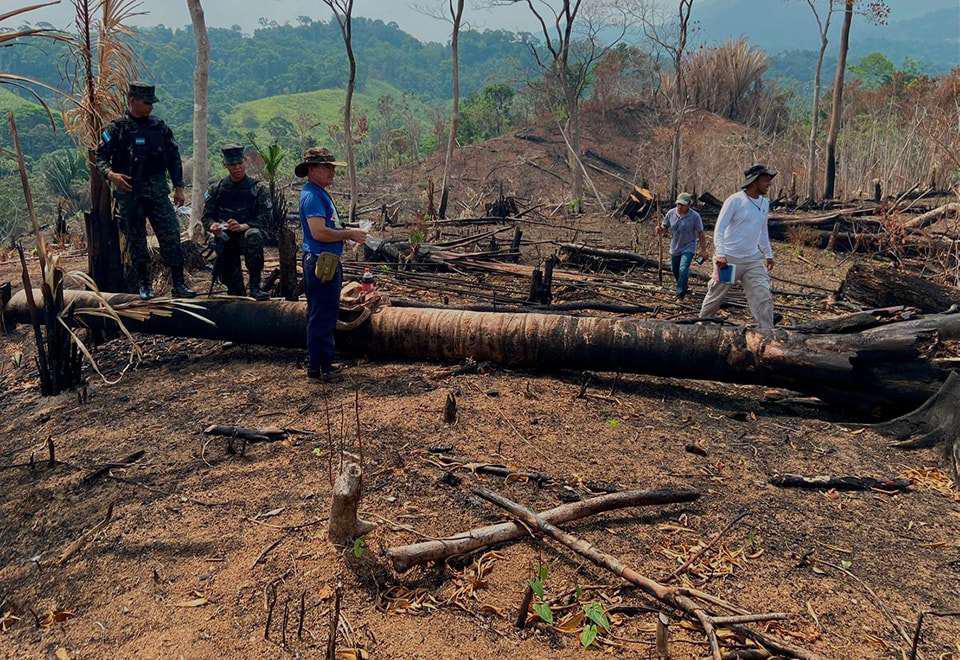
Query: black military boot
[(180, 288), (255, 291), (146, 287)]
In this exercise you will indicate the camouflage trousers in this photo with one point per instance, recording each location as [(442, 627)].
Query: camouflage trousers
[(150, 199), (249, 245)]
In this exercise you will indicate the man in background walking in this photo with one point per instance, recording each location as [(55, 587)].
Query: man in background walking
[(686, 231), (742, 251)]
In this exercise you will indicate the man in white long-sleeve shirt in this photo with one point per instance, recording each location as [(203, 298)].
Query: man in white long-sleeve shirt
[(741, 239)]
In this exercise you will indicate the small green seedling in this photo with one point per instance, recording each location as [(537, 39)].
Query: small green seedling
[(597, 619)]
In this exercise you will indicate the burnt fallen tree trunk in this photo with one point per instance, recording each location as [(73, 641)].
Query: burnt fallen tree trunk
[(877, 285), (889, 365)]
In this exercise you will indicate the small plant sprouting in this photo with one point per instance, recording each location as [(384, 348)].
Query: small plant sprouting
[(358, 548), (596, 620), (538, 586), (613, 424)]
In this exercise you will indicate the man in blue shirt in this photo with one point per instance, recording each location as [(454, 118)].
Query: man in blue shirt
[(323, 237), (686, 232)]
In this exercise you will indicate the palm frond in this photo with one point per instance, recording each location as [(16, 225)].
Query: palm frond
[(102, 47), (24, 10)]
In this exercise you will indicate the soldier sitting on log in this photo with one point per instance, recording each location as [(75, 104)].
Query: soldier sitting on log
[(236, 212)]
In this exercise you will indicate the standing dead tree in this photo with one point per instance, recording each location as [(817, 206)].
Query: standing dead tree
[(343, 13), (576, 36), (105, 65), (670, 36), (456, 15), (823, 17), (836, 110), (201, 74), (877, 10)]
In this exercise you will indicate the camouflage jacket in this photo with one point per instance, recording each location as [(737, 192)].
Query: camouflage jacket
[(247, 201), (141, 149)]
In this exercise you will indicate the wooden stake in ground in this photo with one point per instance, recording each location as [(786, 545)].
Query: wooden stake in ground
[(334, 623), (344, 525), (681, 598)]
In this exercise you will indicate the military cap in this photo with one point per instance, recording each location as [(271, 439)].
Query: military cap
[(232, 154), (143, 91), (316, 156)]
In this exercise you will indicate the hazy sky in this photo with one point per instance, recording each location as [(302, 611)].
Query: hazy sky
[(245, 13)]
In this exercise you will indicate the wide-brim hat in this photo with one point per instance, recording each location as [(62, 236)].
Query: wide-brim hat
[(755, 172), (316, 156), (143, 91)]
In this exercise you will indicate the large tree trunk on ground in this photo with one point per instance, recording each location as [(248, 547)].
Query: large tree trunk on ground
[(877, 285), (930, 217), (836, 111), (888, 366), (201, 168)]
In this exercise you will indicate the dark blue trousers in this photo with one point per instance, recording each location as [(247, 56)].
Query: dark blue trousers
[(323, 305), (681, 270)]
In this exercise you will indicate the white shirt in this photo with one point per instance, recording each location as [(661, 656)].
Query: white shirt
[(741, 229)]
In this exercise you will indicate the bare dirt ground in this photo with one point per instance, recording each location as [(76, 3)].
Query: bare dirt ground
[(200, 540)]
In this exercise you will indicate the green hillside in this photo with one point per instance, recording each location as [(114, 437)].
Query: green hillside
[(10, 101), (322, 108)]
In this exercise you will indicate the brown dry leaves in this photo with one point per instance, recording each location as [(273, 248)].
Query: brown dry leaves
[(460, 592), (934, 479)]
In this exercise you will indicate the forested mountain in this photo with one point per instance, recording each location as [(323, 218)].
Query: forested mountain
[(286, 59)]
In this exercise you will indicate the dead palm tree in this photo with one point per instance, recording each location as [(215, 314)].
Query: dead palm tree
[(105, 64)]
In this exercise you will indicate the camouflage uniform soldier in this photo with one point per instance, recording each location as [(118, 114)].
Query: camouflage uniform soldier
[(136, 153), (237, 212)]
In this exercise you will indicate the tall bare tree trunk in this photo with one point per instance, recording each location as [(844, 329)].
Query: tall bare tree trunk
[(455, 112), (836, 112), (573, 132), (675, 159), (815, 125), (201, 168), (348, 110), (104, 261)]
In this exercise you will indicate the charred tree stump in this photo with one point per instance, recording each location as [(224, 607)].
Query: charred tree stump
[(287, 251), (344, 525), (515, 245), (936, 422), (450, 409), (875, 285), (546, 293), (536, 284)]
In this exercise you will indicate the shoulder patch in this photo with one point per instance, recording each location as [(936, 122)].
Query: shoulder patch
[(106, 136)]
